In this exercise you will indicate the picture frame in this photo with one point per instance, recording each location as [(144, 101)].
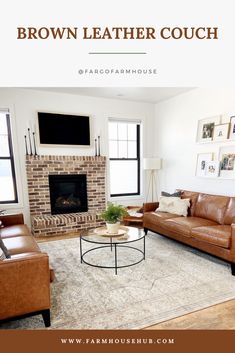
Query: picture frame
[(202, 160), (221, 132), (227, 162), (212, 169), (232, 128), (205, 129)]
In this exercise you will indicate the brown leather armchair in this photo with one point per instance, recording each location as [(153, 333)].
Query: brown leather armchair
[(25, 277)]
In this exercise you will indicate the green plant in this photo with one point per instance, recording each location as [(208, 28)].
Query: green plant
[(113, 213)]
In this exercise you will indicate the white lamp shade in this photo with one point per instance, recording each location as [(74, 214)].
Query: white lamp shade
[(152, 163)]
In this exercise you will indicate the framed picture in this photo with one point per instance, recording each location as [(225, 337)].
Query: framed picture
[(202, 160), (227, 162), (205, 129), (212, 169), (221, 132), (232, 128)]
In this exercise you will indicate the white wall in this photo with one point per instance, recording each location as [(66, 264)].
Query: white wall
[(176, 128), (24, 104)]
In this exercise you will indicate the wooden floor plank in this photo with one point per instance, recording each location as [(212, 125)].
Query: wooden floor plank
[(216, 317)]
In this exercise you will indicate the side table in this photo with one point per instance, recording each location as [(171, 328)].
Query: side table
[(132, 219)]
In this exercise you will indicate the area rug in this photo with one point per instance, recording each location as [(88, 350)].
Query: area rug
[(173, 280)]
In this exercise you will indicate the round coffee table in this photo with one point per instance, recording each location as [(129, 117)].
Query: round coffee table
[(99, 237)]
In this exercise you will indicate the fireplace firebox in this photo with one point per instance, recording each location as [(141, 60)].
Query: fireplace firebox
[(68, 193)]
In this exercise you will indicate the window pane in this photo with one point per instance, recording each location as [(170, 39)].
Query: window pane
[(132, 150), (122, 131), (132, 132), (4, 147), (113, 149), (122, 149), (123, 177), (113, 131), (6, 181), (3, 124)]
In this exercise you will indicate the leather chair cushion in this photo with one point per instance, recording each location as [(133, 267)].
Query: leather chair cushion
[(219, 235), (15, 231), (19, 245), (184, 225), (211, 207), (229, 216)]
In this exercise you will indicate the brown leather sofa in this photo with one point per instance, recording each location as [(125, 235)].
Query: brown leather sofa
[(210, 225), (25, 277)]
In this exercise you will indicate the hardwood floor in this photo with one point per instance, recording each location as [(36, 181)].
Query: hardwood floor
[(217, 317)]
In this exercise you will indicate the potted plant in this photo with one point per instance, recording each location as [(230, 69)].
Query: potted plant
[(113, 215)]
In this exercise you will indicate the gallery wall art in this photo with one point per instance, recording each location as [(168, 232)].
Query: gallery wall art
[(221, 164)]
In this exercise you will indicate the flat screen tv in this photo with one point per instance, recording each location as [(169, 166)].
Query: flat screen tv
[(63, 129)]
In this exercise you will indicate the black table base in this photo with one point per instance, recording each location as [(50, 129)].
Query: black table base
[(111, 246)]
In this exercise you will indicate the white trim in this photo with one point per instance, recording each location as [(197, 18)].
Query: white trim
[(135, 120), (124, 120)]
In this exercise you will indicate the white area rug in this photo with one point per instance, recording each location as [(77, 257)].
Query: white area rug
[(173, 280)]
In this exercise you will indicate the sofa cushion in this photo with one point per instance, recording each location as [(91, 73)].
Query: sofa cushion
[(175, 194), (193, 196), (184, 225), (229, 216), (15, 231), (174, 205), (157, 217), (18, 245), (211, 207), (219, 235)]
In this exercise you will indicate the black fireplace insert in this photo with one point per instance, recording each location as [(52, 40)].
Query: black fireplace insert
[(68, 193)]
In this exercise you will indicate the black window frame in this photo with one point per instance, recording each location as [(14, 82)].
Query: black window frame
[(11, 159), (131, 159)]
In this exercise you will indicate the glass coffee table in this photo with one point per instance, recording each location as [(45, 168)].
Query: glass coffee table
[(127, 238)]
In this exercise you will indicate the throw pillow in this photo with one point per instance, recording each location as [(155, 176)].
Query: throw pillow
[(2, 255), (175, 194), (4, 249), (174, 205)]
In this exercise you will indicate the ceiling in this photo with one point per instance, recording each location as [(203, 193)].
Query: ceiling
[(136, 94)]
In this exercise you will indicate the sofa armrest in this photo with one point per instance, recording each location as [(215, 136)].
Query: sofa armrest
[(24, 285), (232, 249), (11, 220), (150, 206)]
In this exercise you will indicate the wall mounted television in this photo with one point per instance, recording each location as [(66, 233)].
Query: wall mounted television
[(63, 129)]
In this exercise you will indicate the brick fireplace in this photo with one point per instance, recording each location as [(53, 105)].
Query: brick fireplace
[(40, 172)]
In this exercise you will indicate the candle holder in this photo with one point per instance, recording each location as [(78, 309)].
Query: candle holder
[(30, 143), (98, 145), (95, 147), (26, 147), (34, 144)]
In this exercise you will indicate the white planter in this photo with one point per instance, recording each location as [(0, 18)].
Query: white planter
[(113, 227)]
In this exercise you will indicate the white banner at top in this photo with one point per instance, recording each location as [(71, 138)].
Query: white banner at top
[(123, 43)]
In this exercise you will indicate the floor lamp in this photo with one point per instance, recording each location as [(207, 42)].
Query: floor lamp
[(152, 164)]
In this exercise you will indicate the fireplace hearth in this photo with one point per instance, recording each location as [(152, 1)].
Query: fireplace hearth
[(68, 193)]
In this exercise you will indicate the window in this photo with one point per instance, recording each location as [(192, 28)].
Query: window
[(124, 157), (8, 192)]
